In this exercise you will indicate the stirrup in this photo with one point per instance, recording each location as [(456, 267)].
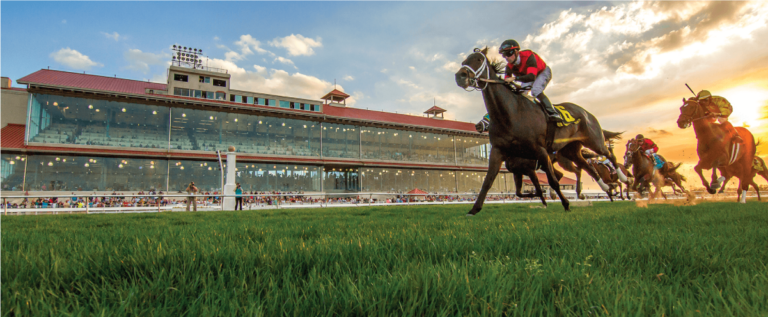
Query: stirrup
[(554, 117)]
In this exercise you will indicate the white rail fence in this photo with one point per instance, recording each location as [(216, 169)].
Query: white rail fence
[(278, 201)]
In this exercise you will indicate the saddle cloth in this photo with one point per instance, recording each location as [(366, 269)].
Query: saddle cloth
[(659, 162), (756, 165)]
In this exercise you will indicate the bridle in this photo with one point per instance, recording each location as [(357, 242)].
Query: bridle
[(474, 81), (690, 117)]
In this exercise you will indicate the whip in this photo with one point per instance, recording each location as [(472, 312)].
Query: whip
[(689, 88)]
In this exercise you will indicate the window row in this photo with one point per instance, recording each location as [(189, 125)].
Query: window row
[(95, 173), (199, 93), (202, 79), (92, 122)]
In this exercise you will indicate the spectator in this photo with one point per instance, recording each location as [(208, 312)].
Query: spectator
[(239, 197), (191, 189)]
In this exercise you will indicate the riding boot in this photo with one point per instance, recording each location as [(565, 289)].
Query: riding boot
[(551, 112)]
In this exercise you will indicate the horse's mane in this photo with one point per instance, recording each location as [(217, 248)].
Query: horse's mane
[(498, 65)]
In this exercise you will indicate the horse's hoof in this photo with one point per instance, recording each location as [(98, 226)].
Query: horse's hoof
[(470, 215), (711, 191)]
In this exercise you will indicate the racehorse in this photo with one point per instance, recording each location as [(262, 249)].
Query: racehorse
[(611, 179), (519, 127), (521, 165), (643, 169), (715, 148), (758, 168)]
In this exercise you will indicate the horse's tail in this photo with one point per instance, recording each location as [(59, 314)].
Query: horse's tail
[(683, 177), (674, 167), (608, 135)]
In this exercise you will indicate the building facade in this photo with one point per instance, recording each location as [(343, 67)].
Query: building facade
[(92, 133)]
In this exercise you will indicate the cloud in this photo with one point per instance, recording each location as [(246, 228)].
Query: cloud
[(384, 70), (348, 78), (74, 59), (112, 35), (246, 46), (64, 21), (215, 38), (297, 44), (140, 61), (285, 61), (279, 82)]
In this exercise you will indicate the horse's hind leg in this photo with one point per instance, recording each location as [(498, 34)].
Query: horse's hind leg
[(494, 165), (572, 151), (543, 157), (539, 191)]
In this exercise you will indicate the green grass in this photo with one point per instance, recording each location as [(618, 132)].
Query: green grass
[(611, 259)]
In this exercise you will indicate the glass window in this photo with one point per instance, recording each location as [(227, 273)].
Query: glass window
[(386, 144), (202, 79), (233, 98), (341, 140), (94, 173), (180, 77), (341, 180), (261, 177), (204, 130), (472, 151), (71, 120), (395, 180), (208, 94), (207, 80), (221, 95), (249, 100), (205, 174), (220, 83), (260, 101), (271, 102), (471, 182), (12, 171), (285, 104), (198, 94)]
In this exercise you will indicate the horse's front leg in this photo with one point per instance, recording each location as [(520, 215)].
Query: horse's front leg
[(539, 191), (551, 176), (699, 171), (716, 181), (494, 165)]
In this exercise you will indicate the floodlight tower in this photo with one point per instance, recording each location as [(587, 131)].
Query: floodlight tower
[(187, 56)]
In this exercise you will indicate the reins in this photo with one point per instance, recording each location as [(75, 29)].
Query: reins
[(487, 80)]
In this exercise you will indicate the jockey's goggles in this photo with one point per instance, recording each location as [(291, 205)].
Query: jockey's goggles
[(507, 53)]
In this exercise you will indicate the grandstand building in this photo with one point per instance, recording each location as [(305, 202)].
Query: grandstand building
[(74, 132)]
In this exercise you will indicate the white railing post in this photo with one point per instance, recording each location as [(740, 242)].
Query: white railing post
[(87, 208), (5, 206)]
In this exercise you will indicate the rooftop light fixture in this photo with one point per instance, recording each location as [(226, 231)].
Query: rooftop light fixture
[(90, 106)]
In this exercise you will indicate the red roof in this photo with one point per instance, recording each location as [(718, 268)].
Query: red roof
[(12, 136), (380, 116), (435, 109), (543, 180), (417, 191), (94, 82), (335, 92)]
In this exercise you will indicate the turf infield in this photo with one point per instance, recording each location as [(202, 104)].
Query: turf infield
[(612, 259)]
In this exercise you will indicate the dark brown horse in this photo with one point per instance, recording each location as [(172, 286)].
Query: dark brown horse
[(519, 128), (758, 168), (715, 148), (522, 167)]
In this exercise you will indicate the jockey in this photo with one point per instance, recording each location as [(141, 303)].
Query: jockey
[(529, 69), (605, 161), (721, 109), (648, 147)]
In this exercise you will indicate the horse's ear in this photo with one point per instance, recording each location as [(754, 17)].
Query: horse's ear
[(683, 99), (485, 50)]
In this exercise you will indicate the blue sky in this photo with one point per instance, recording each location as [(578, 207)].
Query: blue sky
[(626, 62), (366, 43)]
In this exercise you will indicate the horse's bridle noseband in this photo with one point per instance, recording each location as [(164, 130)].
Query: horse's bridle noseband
[(474, 81)]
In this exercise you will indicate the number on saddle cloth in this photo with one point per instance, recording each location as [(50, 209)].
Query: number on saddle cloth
[(568, 119)]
